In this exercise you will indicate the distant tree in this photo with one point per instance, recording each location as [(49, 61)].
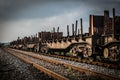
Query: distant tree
[(1, 44)]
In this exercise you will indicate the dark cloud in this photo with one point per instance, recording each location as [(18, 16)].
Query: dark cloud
[(18, 9), (101, 5), (9, 8)]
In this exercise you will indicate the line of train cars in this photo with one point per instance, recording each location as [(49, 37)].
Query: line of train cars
[(102, 41)]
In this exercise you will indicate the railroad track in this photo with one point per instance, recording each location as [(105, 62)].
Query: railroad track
[(26, 59), (68, 69), (107, 65)]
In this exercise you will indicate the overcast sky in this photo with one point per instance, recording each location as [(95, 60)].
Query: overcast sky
[(28, 17)]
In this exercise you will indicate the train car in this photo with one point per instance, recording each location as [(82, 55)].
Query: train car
[(74, 44), (105, 32), (102, 41)]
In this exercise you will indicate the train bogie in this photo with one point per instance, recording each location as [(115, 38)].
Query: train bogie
[(111, 51)]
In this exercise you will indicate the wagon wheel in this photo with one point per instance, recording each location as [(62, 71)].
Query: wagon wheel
[(85, 52), (114, 54), (106, 53), (74, 51), (89, 52), (111, 54), (79, 48), (36, 48), (44, 49)]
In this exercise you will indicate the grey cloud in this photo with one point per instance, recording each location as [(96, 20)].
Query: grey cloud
[(8, 8), (18, 9)]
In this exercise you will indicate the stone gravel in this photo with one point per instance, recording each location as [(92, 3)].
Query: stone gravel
[(67, 72), (11, 68), (95, 68), (60, 69)]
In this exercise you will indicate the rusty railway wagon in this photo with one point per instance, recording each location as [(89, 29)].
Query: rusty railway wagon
[(102, 41)]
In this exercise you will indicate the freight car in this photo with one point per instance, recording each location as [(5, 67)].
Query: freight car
[(105, 33), (102, 41)]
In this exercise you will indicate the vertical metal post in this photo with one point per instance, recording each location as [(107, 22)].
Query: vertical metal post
[(113, 23), (68, 30), (81, 27), (53, 33), (91, 24), (58, 32), (73, 30), (78, 31), (106, 21), (76, 27)]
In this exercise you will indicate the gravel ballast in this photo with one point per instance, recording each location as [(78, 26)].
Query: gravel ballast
[(11, 68)]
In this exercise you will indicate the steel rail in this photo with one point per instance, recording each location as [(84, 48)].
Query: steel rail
[(39, 67), (88, 72)]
